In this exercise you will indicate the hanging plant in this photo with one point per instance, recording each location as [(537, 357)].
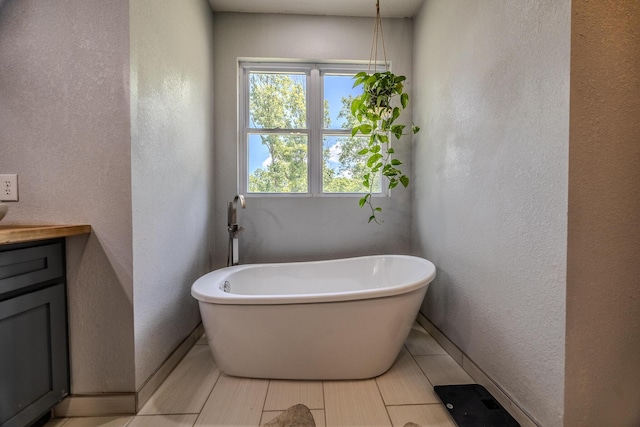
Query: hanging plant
[(376, 112)]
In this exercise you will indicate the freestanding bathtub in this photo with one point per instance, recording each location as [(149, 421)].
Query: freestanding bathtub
[(338, 319)]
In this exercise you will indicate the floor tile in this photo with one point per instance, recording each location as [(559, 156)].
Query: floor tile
[(451, 349), (186, 389), (423, 415), (56, 422), (421, 343), (98, 422), (318, 417), (183, 420), (284, 394), (443, 370), (234, 402), (354, 403), (405, 383)]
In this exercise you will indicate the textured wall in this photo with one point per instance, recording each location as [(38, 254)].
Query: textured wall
[(286, 228), (64, 129), (490, 188), (603, 272), (172, 159)]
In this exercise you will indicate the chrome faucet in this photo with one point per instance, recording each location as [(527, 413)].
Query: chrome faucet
[(231, 209), (233, 228)]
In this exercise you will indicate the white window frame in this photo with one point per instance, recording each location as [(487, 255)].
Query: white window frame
[(314, 130)]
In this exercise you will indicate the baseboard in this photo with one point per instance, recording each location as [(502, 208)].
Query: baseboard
[(520, 415), (102, 404), (96, 405), (157, 378)]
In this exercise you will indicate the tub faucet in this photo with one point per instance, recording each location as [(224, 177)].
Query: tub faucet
[(233, 228), (231, 209)]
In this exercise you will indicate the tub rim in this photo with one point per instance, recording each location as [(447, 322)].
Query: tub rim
[(206, 289)]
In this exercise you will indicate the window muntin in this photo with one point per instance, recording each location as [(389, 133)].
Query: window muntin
[(296, 130)]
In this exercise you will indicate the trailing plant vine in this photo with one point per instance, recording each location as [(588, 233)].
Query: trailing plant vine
[(376, 114)]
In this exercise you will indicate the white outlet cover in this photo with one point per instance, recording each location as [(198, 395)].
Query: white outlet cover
[(8, 188)]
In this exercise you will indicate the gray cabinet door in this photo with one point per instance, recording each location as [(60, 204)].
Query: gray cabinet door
[(33, 355)]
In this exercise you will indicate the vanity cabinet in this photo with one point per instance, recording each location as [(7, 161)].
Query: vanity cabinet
[(34, 367)]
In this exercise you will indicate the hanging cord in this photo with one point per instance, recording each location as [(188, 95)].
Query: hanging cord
[(377, 30)]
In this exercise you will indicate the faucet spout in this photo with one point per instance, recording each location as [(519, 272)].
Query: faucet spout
[(232, 207)]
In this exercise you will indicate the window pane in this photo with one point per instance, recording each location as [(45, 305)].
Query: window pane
[(277, 163), (338, 94), (277, 101), (343, 169)]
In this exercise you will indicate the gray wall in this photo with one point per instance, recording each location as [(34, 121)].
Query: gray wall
[(172, 164), (64, 129), (132, 161), (490, 187), (603, 273), (287, 228)]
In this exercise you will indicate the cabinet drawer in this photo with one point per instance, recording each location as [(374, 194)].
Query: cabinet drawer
[(20, 268)]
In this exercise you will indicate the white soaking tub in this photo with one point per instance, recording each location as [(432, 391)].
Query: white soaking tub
[(337, 319)]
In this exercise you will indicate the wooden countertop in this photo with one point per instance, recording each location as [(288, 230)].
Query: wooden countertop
[(27, 233)]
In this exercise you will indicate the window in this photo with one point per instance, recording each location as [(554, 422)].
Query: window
[(295, 130)]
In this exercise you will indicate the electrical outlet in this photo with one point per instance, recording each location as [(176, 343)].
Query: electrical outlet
[(8, 188)]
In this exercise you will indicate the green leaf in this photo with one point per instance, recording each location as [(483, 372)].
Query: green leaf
[(393, 184), (396, 162), (390, 150), (397, 130), (396, 114), (404, 180), (365, 129), (359, 78), (415, 129), (371, 161), (378, 209), (371, 218), (362, 201), (375, 149), (363, 151), (404, 100), (355, 105)]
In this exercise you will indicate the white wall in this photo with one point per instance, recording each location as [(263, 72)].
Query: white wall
[(172, 159), (283, 228), (64, 129), (490, 186)]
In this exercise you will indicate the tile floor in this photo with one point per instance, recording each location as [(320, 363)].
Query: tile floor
[(197, 394)]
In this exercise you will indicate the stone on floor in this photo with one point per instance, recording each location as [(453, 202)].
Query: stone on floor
[(296, 416)]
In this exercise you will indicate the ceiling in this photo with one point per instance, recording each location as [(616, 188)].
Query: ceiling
[(388, 8)]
